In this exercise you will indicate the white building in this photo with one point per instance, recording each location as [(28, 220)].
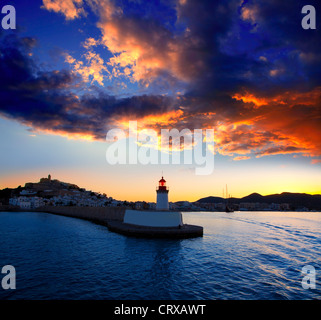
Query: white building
[(162, 217), (26, 202), (162, 196)]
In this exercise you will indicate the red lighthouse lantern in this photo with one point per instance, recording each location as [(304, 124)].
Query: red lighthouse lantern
[(162, 184)]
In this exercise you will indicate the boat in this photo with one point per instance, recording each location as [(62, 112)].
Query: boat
[(227, 207)]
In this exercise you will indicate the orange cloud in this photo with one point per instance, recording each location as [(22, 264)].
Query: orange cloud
[(137, 50), (93, 70), (250, 98), (71, 9), (153, 121), (241, 158), (249, 13), (143, 50), (287, 123), (172, 119)]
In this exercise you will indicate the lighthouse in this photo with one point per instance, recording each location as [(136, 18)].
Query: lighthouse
[(162, 195), (159, 223)]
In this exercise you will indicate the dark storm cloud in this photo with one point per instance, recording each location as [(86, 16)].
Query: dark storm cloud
[(46, 100), (244, 64), (283, 55)]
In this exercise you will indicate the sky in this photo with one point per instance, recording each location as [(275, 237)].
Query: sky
[(74, 69)]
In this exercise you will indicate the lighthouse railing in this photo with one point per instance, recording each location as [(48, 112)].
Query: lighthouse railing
[(162, 188)]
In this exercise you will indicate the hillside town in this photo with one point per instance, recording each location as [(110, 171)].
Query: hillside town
[(52, 192)]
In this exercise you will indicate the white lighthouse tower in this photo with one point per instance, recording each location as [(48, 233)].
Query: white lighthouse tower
[(159, 223), (162, 195)]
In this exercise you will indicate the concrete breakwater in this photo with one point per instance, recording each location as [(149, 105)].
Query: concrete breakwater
[(99, 215), (113, 218)]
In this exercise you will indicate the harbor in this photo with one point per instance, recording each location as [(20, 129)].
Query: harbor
[(241, 256)]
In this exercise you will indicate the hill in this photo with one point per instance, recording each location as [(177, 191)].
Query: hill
[(46, 187), (295, 200)]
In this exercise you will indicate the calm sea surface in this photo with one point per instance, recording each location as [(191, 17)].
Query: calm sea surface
[(243, 255)]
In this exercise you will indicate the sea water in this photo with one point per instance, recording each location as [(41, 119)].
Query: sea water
[(242, 255)]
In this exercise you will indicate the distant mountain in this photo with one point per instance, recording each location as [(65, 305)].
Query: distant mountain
[(294, 199), (253, 197), (211, 200)]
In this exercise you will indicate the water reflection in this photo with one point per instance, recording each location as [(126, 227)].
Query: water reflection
[(158, 264), (241, 256)]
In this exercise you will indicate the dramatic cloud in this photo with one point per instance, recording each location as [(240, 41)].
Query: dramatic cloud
[(143, 49), (71, 9), (45, 100), (94, 69), (246, 68)]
